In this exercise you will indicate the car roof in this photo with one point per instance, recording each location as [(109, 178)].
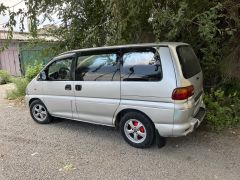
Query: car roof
[(124, 47)]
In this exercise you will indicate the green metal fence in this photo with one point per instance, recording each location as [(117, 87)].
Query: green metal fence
[(34, 54)]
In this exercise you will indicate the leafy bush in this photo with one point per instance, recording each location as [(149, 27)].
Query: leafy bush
[(21, 83), (33, 70), (5, 77), (223, 109), (20, 87)]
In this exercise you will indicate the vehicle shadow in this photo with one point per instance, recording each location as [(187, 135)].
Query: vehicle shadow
[(111, 134)]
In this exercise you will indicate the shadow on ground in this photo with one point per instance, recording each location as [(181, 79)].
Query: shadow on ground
[(198, 137)]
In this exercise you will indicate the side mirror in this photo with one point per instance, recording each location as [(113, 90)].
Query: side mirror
[(43, 75)]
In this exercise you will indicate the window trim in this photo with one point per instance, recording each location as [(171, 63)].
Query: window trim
[(141, 49)]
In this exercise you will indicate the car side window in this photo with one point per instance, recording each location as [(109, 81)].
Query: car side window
[(59, 70), (99, 67), (141, 66)]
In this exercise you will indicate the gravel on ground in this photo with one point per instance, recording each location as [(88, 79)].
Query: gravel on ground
[(74, 150)]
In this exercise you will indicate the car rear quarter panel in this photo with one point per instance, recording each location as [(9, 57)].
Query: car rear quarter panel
[(152, 98)]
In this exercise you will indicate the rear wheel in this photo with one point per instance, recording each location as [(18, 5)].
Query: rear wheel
[(39, 112), (137, 129)]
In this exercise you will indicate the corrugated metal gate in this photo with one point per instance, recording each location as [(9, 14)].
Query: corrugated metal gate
[(20, 55), (32, 55)]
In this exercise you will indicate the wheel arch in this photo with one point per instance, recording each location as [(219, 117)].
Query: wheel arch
[(122, 112), (33, 99)]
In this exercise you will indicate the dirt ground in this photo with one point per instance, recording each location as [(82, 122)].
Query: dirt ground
[(74, 150), (4, 88)]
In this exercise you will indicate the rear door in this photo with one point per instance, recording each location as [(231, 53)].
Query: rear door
[(97, 86), (191, 70)]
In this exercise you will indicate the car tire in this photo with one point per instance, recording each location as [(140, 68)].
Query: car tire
[(137, 129), (39, 112)]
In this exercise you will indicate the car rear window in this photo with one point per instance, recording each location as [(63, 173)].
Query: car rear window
[(189, 61), (141, 65)]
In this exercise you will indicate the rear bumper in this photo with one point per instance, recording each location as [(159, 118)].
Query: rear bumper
[(184, 122), (191, 125)]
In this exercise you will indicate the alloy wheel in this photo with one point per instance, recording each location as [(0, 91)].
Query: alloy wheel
[(135, 131), (39, 112)]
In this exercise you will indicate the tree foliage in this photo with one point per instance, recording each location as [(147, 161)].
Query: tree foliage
[(211, 27)]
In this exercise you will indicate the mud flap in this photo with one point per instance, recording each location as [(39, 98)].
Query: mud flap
[(160, 141)]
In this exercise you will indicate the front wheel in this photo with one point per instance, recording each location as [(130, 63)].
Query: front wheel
[(137, 130), (39, 112)]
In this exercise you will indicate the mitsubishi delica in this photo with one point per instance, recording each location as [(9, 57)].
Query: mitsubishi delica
[(146, 90)]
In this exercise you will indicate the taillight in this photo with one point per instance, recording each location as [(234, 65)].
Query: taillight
[(182, 93)]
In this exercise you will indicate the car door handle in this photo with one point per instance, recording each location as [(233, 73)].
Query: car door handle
[(78, 87), (68, 87)]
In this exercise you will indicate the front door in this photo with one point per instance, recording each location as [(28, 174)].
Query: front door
[(97, 87), (58, 93)]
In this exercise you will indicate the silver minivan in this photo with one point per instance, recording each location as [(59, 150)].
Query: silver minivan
[(149, 91)]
